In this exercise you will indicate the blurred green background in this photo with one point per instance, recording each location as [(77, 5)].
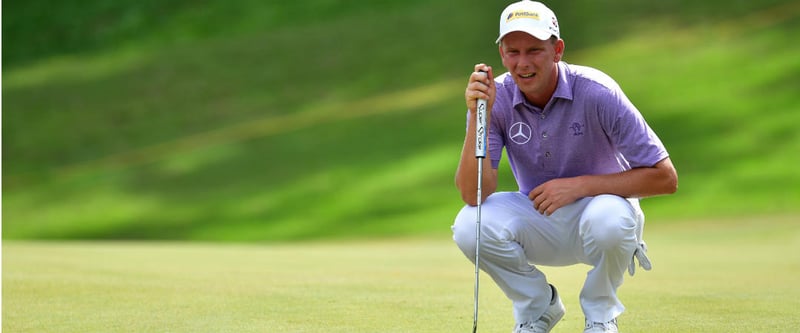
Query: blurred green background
[(301, 120)]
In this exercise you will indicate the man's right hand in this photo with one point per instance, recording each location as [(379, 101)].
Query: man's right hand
[(480, 86)]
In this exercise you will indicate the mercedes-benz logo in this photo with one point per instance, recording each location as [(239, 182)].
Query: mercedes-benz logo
[(520, 133)]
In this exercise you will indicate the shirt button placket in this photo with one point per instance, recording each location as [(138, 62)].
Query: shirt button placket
[(544, 138)]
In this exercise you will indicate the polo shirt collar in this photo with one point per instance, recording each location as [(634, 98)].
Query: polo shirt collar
[(563, 88)]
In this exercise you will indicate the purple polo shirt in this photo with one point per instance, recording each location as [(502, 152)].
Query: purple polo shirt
[(589, 127)]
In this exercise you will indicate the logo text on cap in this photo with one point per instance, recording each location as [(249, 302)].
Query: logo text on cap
[(518, 14)]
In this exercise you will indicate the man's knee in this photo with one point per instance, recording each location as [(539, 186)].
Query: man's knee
[(494, 217), (609, 221), (464, 232)]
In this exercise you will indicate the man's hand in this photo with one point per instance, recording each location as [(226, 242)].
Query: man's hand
[(480, 86), (556, 193)]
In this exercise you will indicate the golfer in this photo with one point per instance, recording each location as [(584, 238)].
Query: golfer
[(582, 156)]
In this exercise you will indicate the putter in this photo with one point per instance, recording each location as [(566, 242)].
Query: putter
[(480, 154)]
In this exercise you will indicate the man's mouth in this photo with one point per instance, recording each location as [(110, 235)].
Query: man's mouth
[(527, 76)]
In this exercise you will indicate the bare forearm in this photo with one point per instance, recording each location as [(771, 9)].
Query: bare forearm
[(467, 172), (480, 86), (636, 183)]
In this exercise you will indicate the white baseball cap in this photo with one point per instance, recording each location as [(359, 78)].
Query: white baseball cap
[(531, 17)]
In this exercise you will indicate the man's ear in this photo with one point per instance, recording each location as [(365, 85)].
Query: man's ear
[(559, 48)]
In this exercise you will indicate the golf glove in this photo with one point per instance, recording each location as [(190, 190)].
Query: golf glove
[(640, 254)]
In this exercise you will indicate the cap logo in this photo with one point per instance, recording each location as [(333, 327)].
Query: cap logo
[(518, 14)]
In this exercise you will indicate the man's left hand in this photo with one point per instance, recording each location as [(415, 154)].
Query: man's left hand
[(556, 193)]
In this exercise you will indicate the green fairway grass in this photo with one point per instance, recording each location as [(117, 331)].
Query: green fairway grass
[(305, 150), (708, 276)]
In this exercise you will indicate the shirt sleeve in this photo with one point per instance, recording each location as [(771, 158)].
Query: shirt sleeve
[(629, 132)]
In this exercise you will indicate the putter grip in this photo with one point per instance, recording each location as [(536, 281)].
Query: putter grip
[(480, 129)]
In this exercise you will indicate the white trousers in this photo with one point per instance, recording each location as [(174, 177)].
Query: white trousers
[(600, 231)]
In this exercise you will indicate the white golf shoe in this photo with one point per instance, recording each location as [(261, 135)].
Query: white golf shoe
[(607, 327), (549, 319)]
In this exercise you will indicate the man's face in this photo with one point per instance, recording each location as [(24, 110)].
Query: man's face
[(532, 64)]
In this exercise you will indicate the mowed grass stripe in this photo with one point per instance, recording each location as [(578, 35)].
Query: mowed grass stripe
[(410, 100)]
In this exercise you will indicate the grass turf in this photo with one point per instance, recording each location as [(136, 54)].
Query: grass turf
[(709, 276), (317, 128)]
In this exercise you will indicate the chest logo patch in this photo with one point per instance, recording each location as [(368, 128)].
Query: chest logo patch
[(577, 129), (520, 133)]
